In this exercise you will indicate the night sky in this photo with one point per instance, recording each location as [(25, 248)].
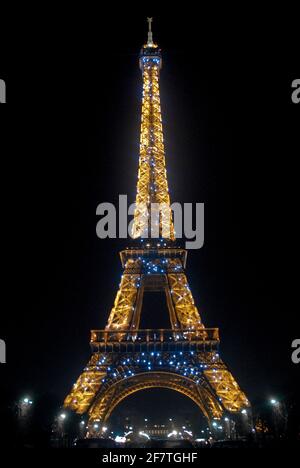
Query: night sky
[(70, 140)]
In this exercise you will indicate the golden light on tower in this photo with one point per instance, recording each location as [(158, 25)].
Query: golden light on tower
[(152, 186), (126, 359)]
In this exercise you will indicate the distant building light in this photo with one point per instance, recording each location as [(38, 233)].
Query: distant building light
[(143, 434), (173, 433)]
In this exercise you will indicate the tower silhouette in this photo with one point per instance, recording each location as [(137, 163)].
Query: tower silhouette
[(126, 358)]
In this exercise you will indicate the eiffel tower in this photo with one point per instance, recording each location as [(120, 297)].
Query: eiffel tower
[(126, 358)]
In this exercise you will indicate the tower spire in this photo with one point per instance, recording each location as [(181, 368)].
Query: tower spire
[(153, 215), (150, 38)]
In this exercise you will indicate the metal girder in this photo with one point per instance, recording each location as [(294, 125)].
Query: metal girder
[(186, 311), (107, 400), (227, 389), (111, 377), (87, 385), (152, 186), (124, 305)]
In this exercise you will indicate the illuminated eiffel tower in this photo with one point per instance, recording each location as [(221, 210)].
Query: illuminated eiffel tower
[(125, 358)]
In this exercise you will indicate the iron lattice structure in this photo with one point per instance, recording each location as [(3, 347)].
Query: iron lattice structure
[(125, 358)]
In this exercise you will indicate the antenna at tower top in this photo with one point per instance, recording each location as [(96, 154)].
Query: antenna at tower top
[(150, 38)]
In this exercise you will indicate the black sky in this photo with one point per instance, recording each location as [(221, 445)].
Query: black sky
[(70, 140)]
